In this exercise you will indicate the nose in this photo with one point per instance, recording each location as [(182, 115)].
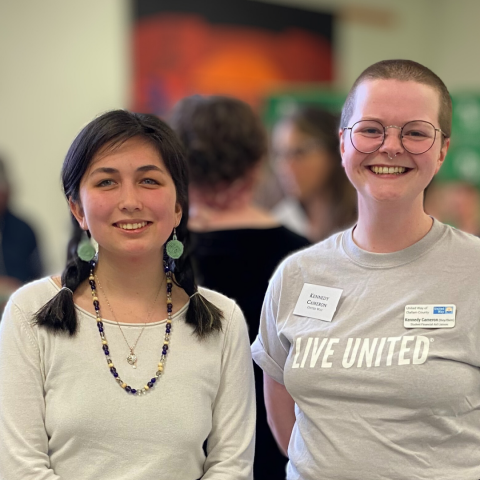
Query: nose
[(129, 199), (392, 144)]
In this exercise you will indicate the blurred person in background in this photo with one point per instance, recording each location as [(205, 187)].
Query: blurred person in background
[(456, 203), (20, 260), (237, 245), (319, 198)]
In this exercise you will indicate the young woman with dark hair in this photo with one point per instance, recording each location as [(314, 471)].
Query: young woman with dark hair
[(369, 340), (123, 368)]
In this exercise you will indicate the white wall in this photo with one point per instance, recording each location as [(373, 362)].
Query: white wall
[(62, 62)]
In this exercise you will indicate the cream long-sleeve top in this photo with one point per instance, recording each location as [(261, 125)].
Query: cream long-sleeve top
[(63, 415)]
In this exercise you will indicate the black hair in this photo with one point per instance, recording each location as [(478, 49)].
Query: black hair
[(109, 131), (223, 137)]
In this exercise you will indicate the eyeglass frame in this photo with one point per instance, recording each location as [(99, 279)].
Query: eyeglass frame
[(400, 136)]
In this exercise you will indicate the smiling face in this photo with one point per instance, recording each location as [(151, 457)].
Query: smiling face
[(393, 102), (128, 200)]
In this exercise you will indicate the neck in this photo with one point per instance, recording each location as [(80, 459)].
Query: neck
[(384, 227), (130, 277), (203, 218)]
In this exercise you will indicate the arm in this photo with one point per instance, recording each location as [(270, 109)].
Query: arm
[(280, 411), (23, 439), (230, 446)]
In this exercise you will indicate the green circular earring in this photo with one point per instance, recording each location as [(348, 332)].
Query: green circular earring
[(85, 250), (174, 247)]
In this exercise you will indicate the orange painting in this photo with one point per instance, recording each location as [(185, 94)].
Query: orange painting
[(176, 55)]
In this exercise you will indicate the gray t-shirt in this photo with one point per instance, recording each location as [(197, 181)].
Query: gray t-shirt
[(376, 400)]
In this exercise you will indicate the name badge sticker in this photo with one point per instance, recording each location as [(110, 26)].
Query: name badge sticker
[(318, 302), (429, 316)]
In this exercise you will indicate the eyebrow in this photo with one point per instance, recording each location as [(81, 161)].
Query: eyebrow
[(111, 171)]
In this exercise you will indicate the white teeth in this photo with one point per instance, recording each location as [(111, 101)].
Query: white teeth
[(131, 226), (387, 170)]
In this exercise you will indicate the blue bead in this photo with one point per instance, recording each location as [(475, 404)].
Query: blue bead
[(153, 380), (150, 384), (164, 352), (105, 347), (113, 369), (134, 391), (95, 303), (107, 352), (128, 388)]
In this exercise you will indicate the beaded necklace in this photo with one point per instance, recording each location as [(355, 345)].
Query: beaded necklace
[(106, 350)]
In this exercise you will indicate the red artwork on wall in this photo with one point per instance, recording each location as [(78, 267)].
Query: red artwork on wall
[(180, 54)]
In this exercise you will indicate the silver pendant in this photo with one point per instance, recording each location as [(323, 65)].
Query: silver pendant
[(132, 360)]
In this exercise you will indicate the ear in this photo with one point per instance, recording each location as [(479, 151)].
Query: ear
[(442, 155), (77, 212), (178, 213), (341, 135)]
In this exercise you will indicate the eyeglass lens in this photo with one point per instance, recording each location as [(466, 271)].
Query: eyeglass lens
[(416, 137)]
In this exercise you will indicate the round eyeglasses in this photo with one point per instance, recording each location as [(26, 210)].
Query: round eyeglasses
[(416, 137)]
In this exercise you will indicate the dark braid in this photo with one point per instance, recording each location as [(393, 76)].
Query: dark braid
[(58, 315), (107, 132), (202, 314)]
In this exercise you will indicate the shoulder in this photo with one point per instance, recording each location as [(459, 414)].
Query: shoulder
[(235, 324), (460, 237), (32, 296), (225, 304), (310, 256), (458, 245), (290, 239), (13, 221)]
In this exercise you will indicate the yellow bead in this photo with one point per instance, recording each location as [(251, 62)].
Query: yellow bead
[(165, 342), (104, 342), (110, 365), (91, 277), (169, 300), (146, 387), (160, 367), (95, 298), (124, 385)]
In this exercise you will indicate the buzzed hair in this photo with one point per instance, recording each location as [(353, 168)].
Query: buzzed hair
[(405, 71)]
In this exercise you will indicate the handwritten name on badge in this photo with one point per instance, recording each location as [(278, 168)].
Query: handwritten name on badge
[(429, 316), (318, 302)]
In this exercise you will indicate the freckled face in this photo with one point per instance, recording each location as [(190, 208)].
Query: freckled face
[(128, 200), (393, 102)]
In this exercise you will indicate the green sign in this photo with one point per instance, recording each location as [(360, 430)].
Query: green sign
[(277, 106)]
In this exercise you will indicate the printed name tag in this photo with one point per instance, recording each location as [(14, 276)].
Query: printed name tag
[(429, 316), (318, 302)]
